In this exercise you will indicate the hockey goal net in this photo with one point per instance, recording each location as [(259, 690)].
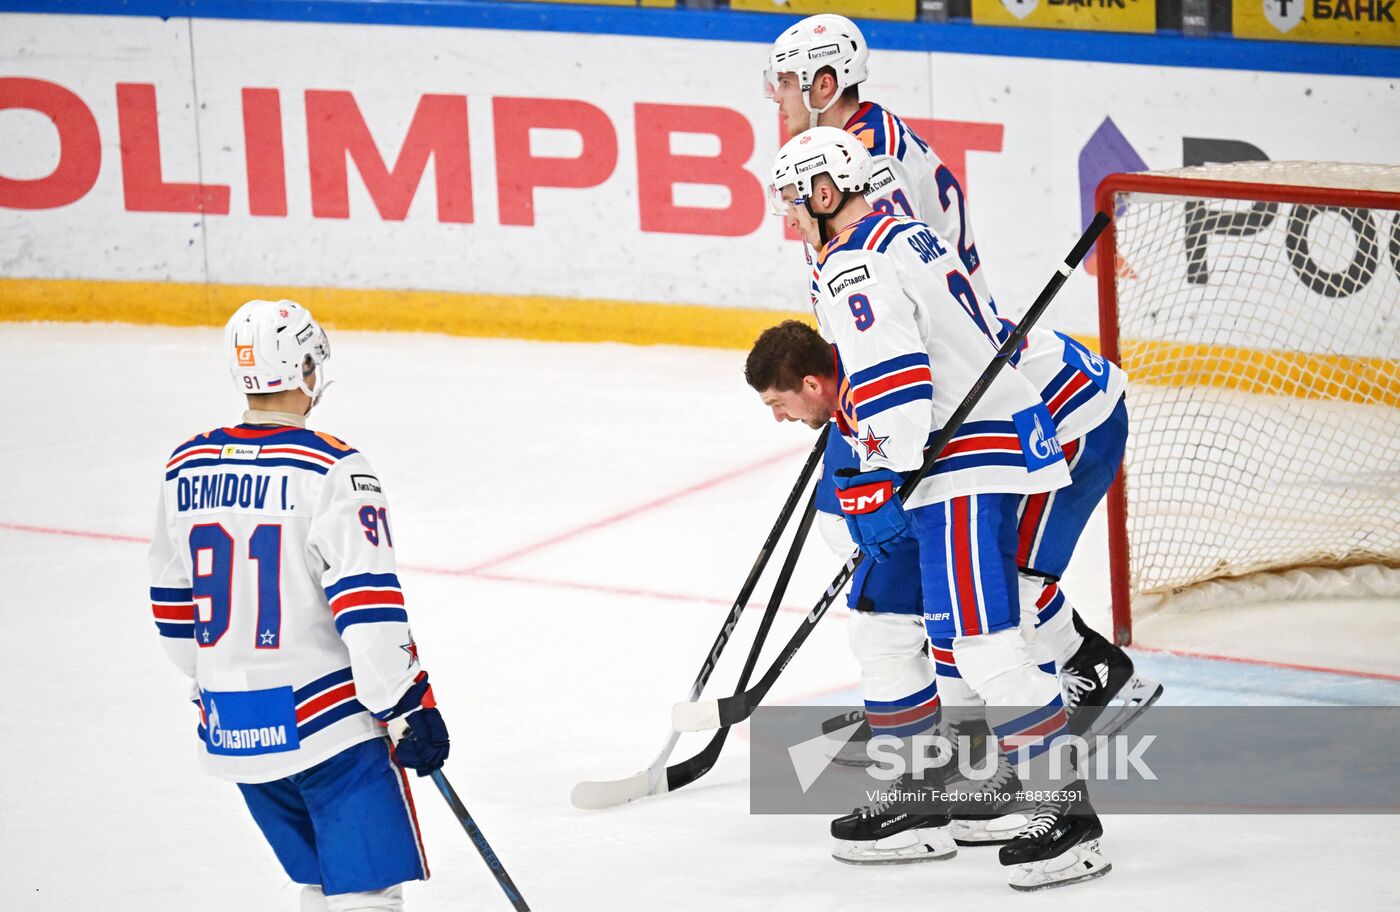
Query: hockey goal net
[(1256, 309)]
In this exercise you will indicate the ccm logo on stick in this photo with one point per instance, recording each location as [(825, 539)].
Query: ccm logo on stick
[(866, 498)]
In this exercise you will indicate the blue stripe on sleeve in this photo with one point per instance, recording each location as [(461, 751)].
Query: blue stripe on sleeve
[(171, 595), (330, 717), (369, 616), (377, 580), (1080, 398), (978, 461), (913, 359), (325, 682), (1064, 376), (176, 631), (915, 393), (976, 428)]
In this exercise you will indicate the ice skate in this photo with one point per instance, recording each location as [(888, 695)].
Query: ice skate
[(1059, 847), (1102, 692), (892, 832), (852, 752)]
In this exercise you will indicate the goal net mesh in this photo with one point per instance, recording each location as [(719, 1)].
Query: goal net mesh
[(1262, 341)]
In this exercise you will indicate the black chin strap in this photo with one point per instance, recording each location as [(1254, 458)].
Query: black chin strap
[(822, 219)]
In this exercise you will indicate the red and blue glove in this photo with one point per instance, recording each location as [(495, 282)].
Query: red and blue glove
[(424, 746), (874, 514)]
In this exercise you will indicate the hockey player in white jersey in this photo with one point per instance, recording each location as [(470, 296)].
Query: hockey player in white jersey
[(911, 335), (274, 590), (815, 69)]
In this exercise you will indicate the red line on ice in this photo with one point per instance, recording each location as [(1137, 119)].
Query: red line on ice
[(597, 524), (1293, 666), (468, 573), (75, 533)]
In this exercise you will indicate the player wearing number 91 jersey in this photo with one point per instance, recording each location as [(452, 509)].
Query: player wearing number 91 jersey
[(274, 588)]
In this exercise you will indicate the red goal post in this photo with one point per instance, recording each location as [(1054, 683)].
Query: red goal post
[(1256, 309)]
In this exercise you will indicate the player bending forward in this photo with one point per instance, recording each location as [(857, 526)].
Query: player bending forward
[(814, 72), (911, 336), (274, 589)]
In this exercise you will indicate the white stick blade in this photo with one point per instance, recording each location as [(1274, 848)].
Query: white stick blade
[(702, 715), (593, 796)]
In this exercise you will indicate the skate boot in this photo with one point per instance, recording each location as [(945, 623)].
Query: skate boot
[(1060, 845), (993, 816), (893, 831), (1098, 674), (852, 752)]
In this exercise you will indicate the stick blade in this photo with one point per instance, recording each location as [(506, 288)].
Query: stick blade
[(594, 796), (702, 715)]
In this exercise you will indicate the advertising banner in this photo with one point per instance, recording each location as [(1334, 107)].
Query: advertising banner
[(1335, 21), (510, 171), (1095, 15)]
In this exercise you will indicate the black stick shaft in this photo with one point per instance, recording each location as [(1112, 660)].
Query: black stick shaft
[(739, 707), (759, 564), (479, 840), (681, 774)]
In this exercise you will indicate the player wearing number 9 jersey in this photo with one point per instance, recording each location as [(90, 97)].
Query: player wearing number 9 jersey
[(274, 589), (814, 71), (911, 339)]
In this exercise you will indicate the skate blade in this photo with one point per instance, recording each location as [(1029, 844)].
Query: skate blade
[(1136, 696), (1075, 865), (994, 832), (910, 847), (852, 758)]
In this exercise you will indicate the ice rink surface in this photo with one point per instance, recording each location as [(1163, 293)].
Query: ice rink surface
[(572, 522)]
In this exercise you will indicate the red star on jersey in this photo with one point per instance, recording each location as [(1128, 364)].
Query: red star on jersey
[(412, 649), (874, 446)]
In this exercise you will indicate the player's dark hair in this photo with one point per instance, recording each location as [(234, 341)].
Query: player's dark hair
[(784, 354)]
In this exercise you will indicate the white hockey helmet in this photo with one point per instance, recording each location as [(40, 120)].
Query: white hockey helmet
[(821, 150), (268, 344), (824, 40)]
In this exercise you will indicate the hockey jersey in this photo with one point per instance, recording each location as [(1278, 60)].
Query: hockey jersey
[(908, 178), (273, 588), (911, 339)]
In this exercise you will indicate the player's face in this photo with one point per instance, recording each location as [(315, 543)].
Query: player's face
[(798, 219), (811, 403), (788, 94)]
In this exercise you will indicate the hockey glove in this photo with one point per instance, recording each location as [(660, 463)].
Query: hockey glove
[(874, 514), (423, 748)]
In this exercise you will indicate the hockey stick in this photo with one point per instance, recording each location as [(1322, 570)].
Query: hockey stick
[(681, 774), (706, 715), (479, 840), (654, 780)]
